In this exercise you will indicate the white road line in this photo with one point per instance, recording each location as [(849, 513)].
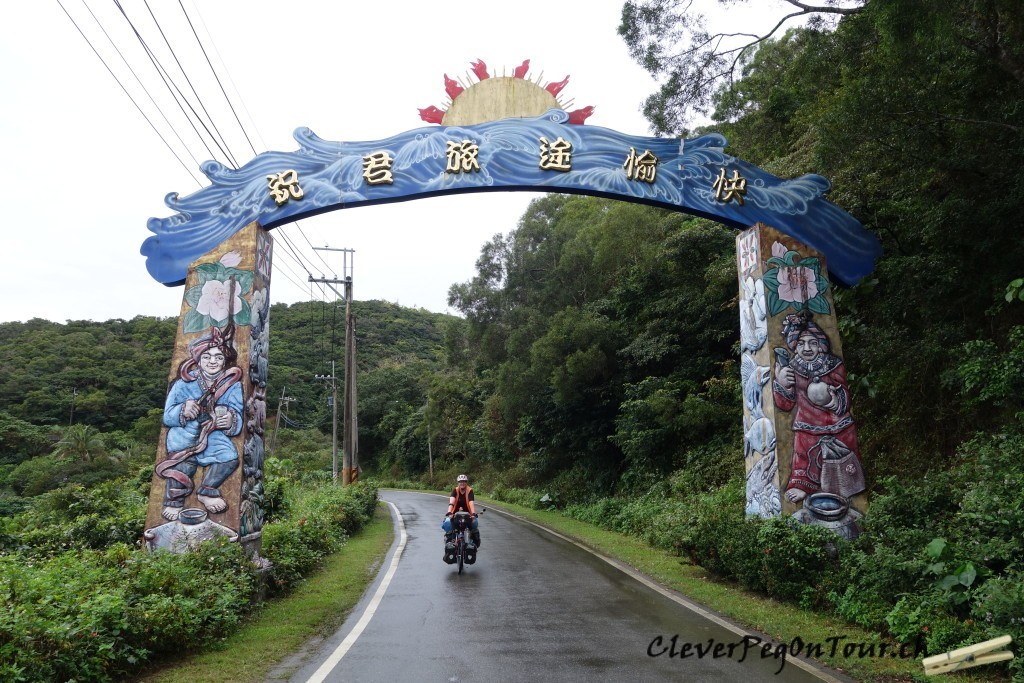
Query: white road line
[(321, 674), (806, 666)]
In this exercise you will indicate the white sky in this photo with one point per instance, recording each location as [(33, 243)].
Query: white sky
[(82, 171)]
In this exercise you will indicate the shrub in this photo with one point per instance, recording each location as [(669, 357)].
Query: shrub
[(518, 496), (991, 513), (318, 523), (999, 609), (97, 615), (78, 517), (795, 558)]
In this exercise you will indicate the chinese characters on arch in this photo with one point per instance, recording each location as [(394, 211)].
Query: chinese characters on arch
[(463, 156)]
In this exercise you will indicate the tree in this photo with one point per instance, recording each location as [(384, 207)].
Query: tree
[(671, 40), (20, 440), (81, 442)]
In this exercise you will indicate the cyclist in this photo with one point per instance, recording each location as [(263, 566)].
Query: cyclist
[(461, 500)]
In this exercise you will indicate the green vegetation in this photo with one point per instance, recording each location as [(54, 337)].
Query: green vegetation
[(80, 600), (594, 362), (778, 619), (82, 603), (281, 627)]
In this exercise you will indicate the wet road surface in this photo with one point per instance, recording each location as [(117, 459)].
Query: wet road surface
[(533, 607)]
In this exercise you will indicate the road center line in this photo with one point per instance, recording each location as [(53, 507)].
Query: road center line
[(321, 674)]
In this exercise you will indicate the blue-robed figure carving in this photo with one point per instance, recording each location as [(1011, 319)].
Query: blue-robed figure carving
[(204, 409)]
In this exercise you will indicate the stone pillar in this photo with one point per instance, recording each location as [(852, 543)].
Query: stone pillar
[(209, 474), (800, 441)]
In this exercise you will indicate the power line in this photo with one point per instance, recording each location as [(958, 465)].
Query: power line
[(289, 278), (315, 250), (144, 115), (334, 326), (131, 69), (228, 75), (173, 88), (216, 76), (231, 105), (290, 251), (190, 85), (291, 247)]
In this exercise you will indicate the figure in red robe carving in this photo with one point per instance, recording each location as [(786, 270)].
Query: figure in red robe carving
[(825, 453)]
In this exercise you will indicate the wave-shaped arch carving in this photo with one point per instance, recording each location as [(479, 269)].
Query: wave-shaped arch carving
[(330, 174)]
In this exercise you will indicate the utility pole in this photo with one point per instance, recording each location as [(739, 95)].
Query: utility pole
[(350, 421), (351, 413), (330, 379), (285, 400)]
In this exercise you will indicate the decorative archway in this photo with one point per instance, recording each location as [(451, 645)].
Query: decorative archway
[(497, 136)]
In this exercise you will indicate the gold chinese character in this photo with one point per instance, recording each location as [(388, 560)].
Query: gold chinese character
[(727, 189), (284, 186), (377, 168), (462, 157), (555, 156), (643, 167)]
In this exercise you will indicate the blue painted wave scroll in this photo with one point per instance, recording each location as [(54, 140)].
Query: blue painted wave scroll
[(331, 177)]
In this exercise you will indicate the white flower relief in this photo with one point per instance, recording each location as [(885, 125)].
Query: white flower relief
[(797, 284), (214, 300), (231, 259)]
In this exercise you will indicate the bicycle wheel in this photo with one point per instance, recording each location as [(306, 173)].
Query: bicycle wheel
[(459, 552)]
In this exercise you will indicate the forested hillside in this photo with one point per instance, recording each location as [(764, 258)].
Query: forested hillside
[(596, 362), (594, 365), (95, 390), (80, 414)]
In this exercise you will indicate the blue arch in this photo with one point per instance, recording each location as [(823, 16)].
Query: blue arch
[(330, 175)]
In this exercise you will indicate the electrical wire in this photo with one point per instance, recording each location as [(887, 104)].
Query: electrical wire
[(131, 69), (188, 80), (216, 76), (144, 115), (289, 252), (334, 324), (235, 113), (315, 251), (173, 88)]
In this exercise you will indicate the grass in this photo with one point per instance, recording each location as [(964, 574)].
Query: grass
[(781, 621), (320, 604), (282, 626)]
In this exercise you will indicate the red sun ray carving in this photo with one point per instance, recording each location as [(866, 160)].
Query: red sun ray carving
[(451, 87), (555, 88), (580, 115), (432, 114), (480, 69)]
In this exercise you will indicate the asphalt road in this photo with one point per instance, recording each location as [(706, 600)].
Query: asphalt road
[(533, 607)]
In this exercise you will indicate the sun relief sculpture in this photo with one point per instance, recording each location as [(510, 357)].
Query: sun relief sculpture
[(491, 98)]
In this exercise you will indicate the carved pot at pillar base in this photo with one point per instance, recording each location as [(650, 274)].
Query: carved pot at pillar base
[(186, 533), (830, 511)]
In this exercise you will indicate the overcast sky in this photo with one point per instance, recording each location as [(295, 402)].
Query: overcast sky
[(82, 170)]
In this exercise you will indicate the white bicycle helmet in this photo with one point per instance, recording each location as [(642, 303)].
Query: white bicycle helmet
[(462, 477)]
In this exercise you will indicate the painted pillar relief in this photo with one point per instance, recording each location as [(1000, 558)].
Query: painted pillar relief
[(800, 439), (208, 479)]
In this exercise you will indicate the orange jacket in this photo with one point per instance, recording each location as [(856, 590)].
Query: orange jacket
[(459, 500)]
